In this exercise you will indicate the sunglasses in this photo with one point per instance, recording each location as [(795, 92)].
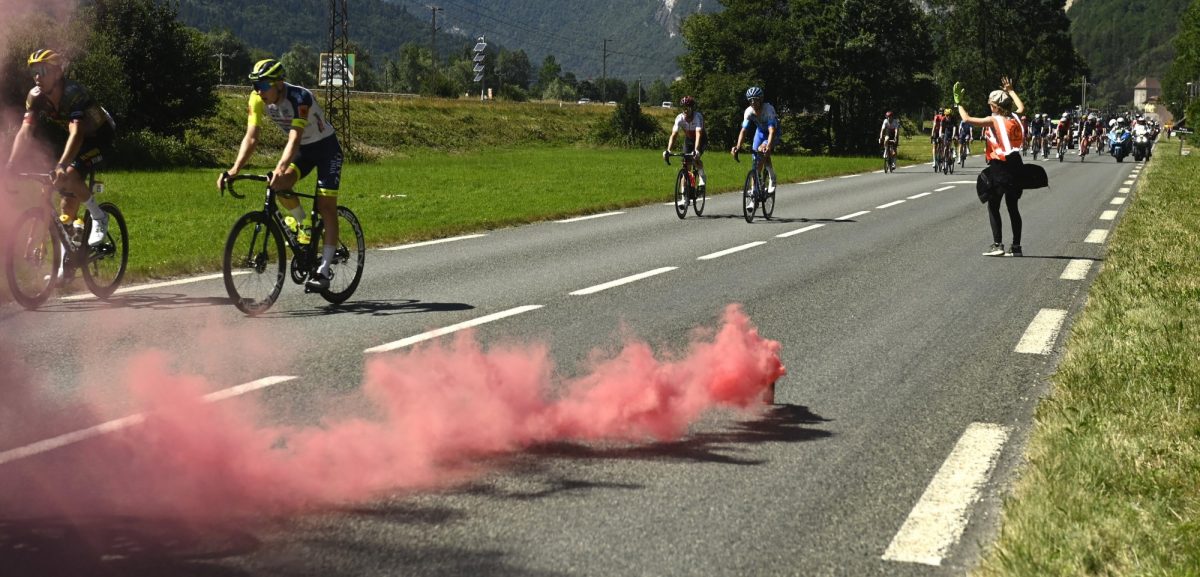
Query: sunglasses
[(263, 85), (38, 70)]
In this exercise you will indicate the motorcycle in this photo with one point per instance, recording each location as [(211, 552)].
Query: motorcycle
[(1141, 144), (1118, 144)]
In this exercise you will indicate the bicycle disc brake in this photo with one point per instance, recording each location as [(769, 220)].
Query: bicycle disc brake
[(299, 272)]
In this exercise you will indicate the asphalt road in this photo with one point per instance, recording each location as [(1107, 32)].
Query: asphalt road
[(897, 335)]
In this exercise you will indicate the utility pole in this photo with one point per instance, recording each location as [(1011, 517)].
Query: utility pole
[(221, 56), (1083, 99), (604, 72), (433, 34)]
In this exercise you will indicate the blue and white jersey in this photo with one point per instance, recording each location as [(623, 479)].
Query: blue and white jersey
[(297, 109), (766, 119)]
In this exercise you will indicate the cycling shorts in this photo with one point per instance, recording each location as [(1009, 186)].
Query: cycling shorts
[(689, 144), (326, 156), (761, 137)]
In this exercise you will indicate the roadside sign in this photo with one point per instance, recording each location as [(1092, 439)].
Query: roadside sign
[(479, 47), (479, 57), (336, 70), (478, 78), (478, 68)]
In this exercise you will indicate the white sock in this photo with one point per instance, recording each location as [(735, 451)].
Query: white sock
[(327, 252), (701, 177), (771, 176), (94, 208)]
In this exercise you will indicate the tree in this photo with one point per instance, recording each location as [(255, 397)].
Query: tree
[(234, 58), (658, 91), (300, 65), (166, 68), (548, 73), (558, 90), (1186, 68)]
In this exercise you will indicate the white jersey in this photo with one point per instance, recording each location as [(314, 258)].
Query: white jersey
[(689, 128), (296, 109), (762, 121)]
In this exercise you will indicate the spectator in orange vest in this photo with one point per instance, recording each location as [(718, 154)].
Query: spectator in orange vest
[(1003, 136)]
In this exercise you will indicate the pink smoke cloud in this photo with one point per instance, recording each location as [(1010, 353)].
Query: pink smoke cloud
[(438, 410)]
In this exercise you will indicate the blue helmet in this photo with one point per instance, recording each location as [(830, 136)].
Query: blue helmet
[(754, 92)]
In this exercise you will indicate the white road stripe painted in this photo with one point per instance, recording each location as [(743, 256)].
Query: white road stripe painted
[(939, 518), (922, 195), (1118, 200), (450, 329), (799, 230), (944, 188), (1124, 190), (849, 176), (960, 182), (124, 423), (626, 280), (813, 181), (143, 287), (877, 172), (854, 215), (732, 250), (433, 242), (589, 217), (1039, 337), (1097, 236), (1108, 215), (1127, 182), (1077, 269), (891, 204)]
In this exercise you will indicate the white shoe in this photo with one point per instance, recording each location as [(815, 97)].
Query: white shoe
[(99, 231)]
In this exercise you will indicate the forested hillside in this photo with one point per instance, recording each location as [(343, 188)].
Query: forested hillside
[(1123, 41)]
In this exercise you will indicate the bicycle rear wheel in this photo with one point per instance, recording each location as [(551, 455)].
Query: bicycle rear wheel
[(348, 259), (254, 265), (105, 266), (749, 202), (768, 198), (32, 258), (681, 185)]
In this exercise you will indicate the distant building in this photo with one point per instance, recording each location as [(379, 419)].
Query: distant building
[(1149, 89)]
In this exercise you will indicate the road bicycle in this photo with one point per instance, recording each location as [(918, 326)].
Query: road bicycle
[(1084, 144), (948, 157), (1062, 148), (687, 191), (755, 192), (255, 263), (964, 150), (43, 251), (889, 155)]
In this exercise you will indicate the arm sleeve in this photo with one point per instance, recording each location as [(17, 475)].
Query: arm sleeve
[(255, 110)]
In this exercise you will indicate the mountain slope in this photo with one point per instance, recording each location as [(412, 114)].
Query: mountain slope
[(1124, 41)]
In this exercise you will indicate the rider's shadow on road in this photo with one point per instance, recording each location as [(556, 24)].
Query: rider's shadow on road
[(371, 308)]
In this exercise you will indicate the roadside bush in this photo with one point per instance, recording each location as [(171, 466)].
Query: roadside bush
[(629, 127), (144, 149)]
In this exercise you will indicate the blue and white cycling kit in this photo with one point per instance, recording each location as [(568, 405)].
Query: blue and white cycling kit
[(319, 147), (762, 122)]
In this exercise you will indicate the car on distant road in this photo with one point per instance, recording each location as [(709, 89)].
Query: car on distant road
[(667, 104), (584, 101)]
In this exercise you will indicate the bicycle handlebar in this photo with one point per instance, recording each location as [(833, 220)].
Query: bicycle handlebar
[(227, 182), (667, 154)]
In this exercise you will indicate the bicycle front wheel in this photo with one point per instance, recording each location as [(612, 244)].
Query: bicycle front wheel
[(749, 202), (254, 265), (698, 202), (681, 186), (106, 262), (348, 258), (32, 258)]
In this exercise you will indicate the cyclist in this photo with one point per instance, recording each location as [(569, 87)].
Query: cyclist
[(1087, 130), (1062, 133), (936, 134), (691, 123), (77, 123), (889, 132), (762, 116), (964, 136), (311, 143), (949, 131)]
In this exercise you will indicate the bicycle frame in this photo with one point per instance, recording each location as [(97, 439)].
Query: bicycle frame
[(271, 210)]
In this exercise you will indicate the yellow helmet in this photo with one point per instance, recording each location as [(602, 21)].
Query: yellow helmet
[(947, 112), (45, 56), (269, 69)]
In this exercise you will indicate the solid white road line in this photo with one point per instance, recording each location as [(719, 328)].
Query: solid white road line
[(799, 230), (1097, 236), (891, 204), (626, 280), (1077, 269), (849, 176), (1118, 200), (125, 422), (433, 242), (960, 182), (854, 215), (944, 188), (1039, 337), (938, 520), (1108, 215), (450, 329), (813, 181), (916, 196), (732, 250), (130, 289), (589, 217), (1124, 190)]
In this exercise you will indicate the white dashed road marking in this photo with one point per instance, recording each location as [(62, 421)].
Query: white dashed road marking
[(450, 329), (939, 518), (944, 188), (157, 285), (1097, 236), (799, 230), (589, 217), (1077, 269), (732, 250), (433, 242), (1039, 337), (854, 215), (1118, 200), (1108, 215), (626, 280), (916, 196), (891, 204)]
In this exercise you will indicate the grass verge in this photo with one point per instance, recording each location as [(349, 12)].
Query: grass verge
[(1112, 484)]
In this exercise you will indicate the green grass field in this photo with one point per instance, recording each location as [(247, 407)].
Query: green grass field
[(1112, 486)]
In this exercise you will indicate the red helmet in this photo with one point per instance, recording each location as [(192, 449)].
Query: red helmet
[(687, 102), (887, 114)]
